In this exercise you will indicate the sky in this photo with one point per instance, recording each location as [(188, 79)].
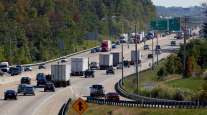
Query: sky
[(183, 3)]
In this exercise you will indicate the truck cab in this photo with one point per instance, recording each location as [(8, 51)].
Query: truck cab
[(106, 46), (41, 79)]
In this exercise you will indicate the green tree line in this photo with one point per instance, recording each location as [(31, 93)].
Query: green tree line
[(38, 30)]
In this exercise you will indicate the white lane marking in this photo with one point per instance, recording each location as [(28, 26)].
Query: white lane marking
[(43, 102)]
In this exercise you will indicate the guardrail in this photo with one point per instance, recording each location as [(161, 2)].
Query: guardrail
[(145, 103), (53, 60), (154, 101), (64, 108)]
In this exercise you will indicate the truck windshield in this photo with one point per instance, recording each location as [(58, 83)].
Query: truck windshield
[(3, 66)]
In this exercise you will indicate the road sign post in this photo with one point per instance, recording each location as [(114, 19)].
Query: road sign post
[(80, 106)]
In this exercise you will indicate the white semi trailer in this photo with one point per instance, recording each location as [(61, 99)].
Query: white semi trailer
[(60, 75), (78, 66)]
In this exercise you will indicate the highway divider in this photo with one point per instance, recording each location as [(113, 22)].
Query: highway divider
[(53, 60)]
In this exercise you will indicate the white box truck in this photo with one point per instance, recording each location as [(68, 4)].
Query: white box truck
[(133, 56), (116, 58), (105, 61), (60, 75), (78, 66), (4, 66)]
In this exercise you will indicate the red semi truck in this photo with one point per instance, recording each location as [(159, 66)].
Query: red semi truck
[(106, 46)]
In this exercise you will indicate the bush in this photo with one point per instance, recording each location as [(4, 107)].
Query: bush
[(179, 95), (161, 73)]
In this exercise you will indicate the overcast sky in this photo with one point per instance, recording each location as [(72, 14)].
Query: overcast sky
[(183, 3)]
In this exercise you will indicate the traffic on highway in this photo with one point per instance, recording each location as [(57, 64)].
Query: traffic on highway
[(105, 62), (106, 57)]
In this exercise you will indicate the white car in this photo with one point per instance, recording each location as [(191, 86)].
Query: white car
[(28, 68)]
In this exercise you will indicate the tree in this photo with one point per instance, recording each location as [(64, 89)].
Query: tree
[(173, 64), (161, 73), (192, 67), (205, 24)]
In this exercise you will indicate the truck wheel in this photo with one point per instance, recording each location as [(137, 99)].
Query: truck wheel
[(64, 84)]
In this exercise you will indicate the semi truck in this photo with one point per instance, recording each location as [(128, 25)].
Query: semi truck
[(116, 58), (78, 66), (105, 61), (106, 46), (60, 75), (97, 91), (133, 57)]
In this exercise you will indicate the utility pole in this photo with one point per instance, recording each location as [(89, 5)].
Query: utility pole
[(184, 51), (157, 49), (152, 52), (122, 59), (136, 61)]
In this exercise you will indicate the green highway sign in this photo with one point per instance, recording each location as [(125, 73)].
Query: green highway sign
[(174, 24), (160, 24), (166, 24)]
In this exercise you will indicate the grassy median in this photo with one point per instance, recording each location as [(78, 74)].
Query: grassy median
[(94, 109)]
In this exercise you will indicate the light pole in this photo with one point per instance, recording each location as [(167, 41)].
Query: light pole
[(152, 37), (184, 51), (136, 60), (157, 49), (122, 68)]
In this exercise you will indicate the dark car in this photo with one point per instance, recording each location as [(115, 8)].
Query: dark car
[(10, 94), (89, 73), (97, 91), (14, 71), (19, 67), (93, 50), (112, 96), (25, 80), (98, 49), (146, 47), (158, 47), (94, 65), (150, 56), (117, 42), (29, 90), (21, 88), (113, 46), (126, 63), (42, 66), (173, 43), (63, 60), (49, 87), (41, 79), (28, 68), (110, 70)]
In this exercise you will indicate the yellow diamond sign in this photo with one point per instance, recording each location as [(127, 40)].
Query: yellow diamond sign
[(80, 106)]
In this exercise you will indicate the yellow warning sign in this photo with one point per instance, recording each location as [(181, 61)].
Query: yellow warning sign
[(80, 106)]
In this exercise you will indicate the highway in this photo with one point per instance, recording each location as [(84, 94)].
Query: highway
[(50, 103)]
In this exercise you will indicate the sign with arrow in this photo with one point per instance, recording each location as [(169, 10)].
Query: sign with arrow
[(80, 106)]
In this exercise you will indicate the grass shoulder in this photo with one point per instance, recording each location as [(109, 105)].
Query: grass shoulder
[(95, 109)]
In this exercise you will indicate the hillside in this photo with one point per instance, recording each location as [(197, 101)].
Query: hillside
[(179, 11), (37, 30)]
